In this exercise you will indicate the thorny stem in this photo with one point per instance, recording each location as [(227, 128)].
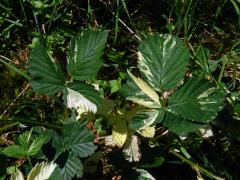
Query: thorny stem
[(195, 166)]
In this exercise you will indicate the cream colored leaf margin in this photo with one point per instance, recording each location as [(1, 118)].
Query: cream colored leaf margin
[(145, 88), (40, 171), (131, 149), (119, 133), (17, 175)]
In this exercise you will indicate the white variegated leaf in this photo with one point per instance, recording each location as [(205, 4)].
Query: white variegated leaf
[(109, 141), (41, 171), (131, 149), (17, 175), (206, 132), (145, 88), (77, 100)]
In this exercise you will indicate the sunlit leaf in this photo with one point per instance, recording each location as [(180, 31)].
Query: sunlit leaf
[(179, 125), (14, 151), (41, 171), (83, 59), (135, 94), (36, 145), (147, 132), (119, 133), (197, 100), (143, 119), (145, 88), (17, 175), (75, 100), (162, 61)]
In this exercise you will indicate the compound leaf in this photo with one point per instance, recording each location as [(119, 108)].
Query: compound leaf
[(48, 77), (83, 59), (162, 61), (26, 146)]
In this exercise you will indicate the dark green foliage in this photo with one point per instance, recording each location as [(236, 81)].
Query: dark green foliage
[(48, 77), (152, 86), (85, 53)]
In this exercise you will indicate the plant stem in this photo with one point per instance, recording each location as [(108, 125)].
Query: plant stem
[(27, 121), (196, 166), (29, 160)]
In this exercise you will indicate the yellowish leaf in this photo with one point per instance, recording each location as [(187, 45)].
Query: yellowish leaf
[(145, 88), (119, 133), (147, 132)]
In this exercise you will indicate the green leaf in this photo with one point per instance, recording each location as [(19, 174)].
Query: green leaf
[(162, 61), (24, 139), (85, 53), (26, 146), (41, 171), (48, 77), (201, 56), (79, 139), (115, 85), (143, 119), (72, 167), (135, 94), (14, 151), (157, 161), (179, 125), (36, 145), (197, 100)]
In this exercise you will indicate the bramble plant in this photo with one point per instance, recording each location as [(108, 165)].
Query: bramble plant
[(164, 94), (181, 104)]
